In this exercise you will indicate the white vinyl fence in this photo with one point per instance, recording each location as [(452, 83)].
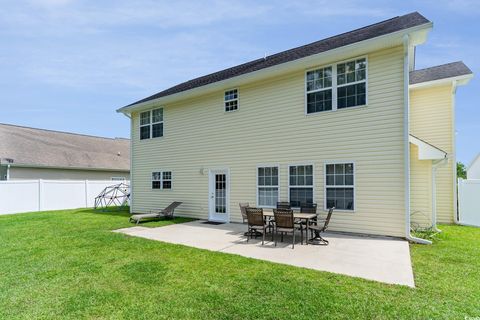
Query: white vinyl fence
[(38, 195), (469, 202)]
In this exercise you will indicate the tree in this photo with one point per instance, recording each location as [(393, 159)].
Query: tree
[(461, 171)]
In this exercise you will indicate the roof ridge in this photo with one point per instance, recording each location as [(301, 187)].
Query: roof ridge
[(337, 35), (64, 132)]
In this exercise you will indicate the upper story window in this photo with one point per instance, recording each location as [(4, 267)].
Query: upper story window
[(151, 124), (351, 83), (335, 87), (319, 90), (231, 100), (339, 185)]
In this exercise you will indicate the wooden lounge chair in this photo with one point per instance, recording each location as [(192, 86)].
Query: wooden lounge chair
[(319, 228), (166, 213)]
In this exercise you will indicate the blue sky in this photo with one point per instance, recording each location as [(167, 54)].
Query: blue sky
[(68, 65)]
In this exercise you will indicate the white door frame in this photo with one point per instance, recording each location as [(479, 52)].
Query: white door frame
[(212, 215)]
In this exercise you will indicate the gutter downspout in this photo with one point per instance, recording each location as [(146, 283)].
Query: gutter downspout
[(406, 132), (435, 165), (8, 172), (454, 158), (129, 116)]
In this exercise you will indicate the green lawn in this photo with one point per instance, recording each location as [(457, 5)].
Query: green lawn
[(67, 264)]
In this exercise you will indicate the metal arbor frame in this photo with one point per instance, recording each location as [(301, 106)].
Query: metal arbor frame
[(114, 195)]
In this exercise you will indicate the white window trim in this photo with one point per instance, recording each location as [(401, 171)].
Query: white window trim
[(161, 179), (335, 86), (268, 165), (151, 123), (354, 183), (307, 163), (225, 101)]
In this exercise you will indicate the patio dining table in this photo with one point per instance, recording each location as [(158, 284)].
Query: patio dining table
[(296, 215)]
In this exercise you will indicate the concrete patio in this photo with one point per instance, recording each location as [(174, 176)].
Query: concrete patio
[(381, 259)]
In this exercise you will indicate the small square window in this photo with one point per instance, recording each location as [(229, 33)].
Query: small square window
[(162, 180), (151, 124)]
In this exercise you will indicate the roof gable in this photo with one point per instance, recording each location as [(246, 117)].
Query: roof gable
[(372, 31)]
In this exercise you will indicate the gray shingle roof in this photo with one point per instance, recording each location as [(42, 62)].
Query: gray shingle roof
[(372, 31), (443, 71), (39, 147)]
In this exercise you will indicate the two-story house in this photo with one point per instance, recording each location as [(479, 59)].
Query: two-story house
[(345, 122)]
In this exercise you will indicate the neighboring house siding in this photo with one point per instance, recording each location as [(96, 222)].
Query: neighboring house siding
[(21, 173), (3, 172), (270, 127), (473, 171), (420, 190), (431, 119)]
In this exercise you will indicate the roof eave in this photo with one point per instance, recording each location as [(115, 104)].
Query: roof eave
[(39, 166), (420, 32), (459, 80)]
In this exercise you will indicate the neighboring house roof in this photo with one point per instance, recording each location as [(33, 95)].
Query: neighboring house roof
[(477, 158), (372, 31), (444, 71), (46, 148)]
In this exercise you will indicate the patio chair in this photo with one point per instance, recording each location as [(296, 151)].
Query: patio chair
[(243, 206), (283, 205), (166, 213), (284, 223), (256, 222), (309, 208), (319, 228)]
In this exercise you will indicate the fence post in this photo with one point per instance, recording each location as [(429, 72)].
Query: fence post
[(459, 198), (40, 194)]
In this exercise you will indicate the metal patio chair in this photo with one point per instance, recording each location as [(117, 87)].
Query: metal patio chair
[(319, 228)]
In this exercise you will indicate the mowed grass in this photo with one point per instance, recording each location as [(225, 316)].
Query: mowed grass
[(69, 265)]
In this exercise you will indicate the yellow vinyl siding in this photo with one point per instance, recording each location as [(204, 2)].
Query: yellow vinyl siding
[(431, 119), (420, 190), (270, 127)]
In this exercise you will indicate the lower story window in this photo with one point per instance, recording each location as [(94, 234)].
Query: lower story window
[(267, 186), (162, 180), (300, 185), (339, 183), (301, 196)]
